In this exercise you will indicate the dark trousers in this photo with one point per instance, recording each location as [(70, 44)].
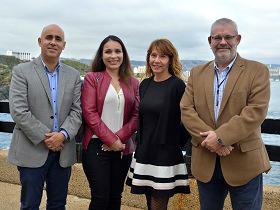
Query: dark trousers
[(106, 173), (32, 181), (125, 164), (246, 197)]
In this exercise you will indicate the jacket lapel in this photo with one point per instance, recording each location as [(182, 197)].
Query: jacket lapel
[(231, 81), (102, 87), (209, 88), (39, 68), (127, 96), (61, 85)]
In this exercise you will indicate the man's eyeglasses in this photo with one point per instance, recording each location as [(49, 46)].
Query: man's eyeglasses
[(219, 38)]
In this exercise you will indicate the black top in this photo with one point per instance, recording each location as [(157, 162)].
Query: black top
[(159, 111)]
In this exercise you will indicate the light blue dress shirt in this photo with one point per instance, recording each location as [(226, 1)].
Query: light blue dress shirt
[(220, 80), (53, 82)]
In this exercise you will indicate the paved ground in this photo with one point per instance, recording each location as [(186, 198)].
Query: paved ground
[(10, 195)]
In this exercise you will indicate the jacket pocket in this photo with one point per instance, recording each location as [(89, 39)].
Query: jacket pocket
[(250, 145)]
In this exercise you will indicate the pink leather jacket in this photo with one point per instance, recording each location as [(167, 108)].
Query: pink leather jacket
[(94, 91)]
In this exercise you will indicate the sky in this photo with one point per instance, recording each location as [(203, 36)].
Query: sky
[(186, 23)]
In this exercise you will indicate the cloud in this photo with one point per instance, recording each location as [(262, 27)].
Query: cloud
[(138, 23)]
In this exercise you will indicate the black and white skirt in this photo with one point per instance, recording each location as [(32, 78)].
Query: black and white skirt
[(158, 170)]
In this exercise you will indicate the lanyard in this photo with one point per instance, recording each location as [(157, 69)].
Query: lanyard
[(219, 85)]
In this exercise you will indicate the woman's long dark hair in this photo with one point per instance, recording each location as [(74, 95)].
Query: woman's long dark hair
[(98, 65)]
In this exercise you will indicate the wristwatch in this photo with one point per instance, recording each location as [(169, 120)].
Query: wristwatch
[(220, 142)]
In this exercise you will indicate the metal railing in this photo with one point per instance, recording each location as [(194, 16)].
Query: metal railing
[(269, 126)]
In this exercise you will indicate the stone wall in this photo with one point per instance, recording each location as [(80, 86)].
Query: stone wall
[(78, 186)]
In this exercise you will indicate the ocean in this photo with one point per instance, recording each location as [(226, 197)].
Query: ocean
[(272, 178)]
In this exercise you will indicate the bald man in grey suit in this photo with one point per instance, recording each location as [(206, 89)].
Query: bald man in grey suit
[(45, 105)]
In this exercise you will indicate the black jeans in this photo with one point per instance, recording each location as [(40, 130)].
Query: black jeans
[(125, 164), (105, 174)]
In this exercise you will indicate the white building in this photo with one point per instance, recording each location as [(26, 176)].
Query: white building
[(139, 70), (20, 55)]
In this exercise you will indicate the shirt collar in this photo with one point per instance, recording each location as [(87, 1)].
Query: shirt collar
[(228, 66), (46, 67)]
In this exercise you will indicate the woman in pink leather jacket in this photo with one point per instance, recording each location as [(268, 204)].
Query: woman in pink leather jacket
[(110, 101)]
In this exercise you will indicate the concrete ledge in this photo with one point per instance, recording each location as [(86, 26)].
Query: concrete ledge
[(78, 186)]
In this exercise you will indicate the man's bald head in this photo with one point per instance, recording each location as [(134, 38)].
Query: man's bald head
[(52, 43), (51, 27)]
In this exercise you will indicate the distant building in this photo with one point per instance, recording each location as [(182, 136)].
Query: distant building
[(25, 56), (275, 74), (139, 70), (186, 73)]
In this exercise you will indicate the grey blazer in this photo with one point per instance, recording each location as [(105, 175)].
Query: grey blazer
[(31, 110)]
